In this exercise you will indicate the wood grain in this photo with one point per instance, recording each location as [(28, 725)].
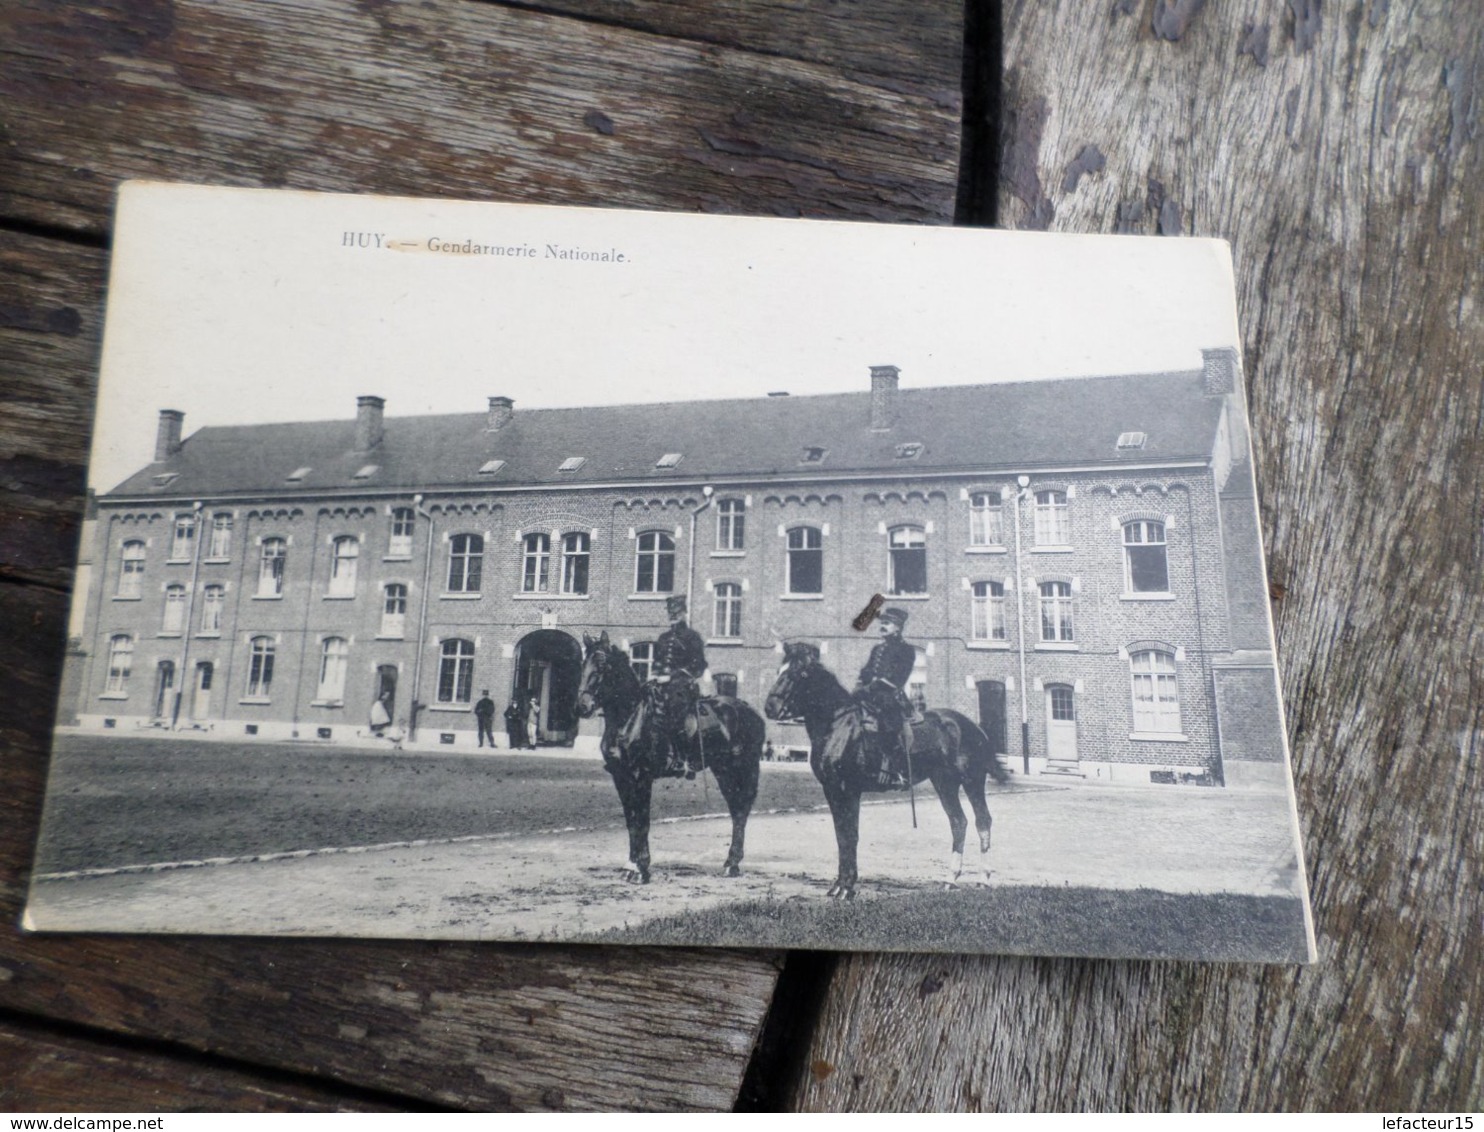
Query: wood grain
[(1339, 151), (467, 100)]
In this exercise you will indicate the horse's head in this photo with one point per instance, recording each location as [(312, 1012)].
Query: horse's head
[(785, 700), (597, 662)]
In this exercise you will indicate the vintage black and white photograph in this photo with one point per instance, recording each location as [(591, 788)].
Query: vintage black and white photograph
[(492, 572)]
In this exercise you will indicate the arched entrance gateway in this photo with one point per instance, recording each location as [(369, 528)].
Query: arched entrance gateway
[(548, 669)]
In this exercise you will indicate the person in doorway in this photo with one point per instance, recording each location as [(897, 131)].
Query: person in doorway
[(515, 722), (484, 717), (881, 690), (381, 715), (533, 723)]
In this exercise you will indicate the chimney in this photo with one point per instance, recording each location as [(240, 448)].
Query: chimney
[(369, 430), (167, 437), (883, 397), (501, 410), (1219, 371)]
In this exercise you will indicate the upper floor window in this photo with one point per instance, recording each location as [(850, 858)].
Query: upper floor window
[(988, 621), (1056, 611), (183, 541), (131, 569), (465, 563), (399, 544), (576, 549), (641, 658), (456, 672), (120, 658), (270, 567), (333, 661), (986, 519), (1053, 526), (260, 652), (654, 565), (393, 610), (175, 604), (1145, 564), (221, 536), (805, 561), (1156, 691), (727, 621), (730, 520), (213, 599), (345, 552), (537, 563), (908, 553)]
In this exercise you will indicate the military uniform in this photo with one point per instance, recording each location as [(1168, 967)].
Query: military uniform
[(679, 662), (881, 690)]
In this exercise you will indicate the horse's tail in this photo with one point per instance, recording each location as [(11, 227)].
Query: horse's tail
[(975, 744)]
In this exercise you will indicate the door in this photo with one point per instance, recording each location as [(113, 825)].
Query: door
[(992, 713), (164, 689), (201, 701), (1061, 724), (386, 685)]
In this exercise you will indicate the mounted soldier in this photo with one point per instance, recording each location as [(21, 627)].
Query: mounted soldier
[(679, 662), (881, 690)]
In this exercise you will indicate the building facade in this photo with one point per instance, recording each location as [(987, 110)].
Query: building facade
[(1080, 561)]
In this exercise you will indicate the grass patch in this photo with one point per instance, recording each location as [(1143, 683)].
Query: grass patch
[(1032, 920)]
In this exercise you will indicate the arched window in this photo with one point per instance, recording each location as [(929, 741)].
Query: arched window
[(456, 672), (465, 563), (270, 567), (221, 535), (260, 652), (988, 621), (1145, 564), (334, 658), (730, 520), (393, 610), (345, 552), (908, 554), (183, 542), (1056, 611), (986, 519), (120, 658), (536, 567), (727, 621), (1156, 691), (1053, 525), (805, 561), (131, 569), (575, 551), (213, 599), (399, 544), (173, 622), (654, 563)]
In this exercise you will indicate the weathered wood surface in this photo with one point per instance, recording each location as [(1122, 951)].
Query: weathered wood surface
[(732, 107), (1339, 150)]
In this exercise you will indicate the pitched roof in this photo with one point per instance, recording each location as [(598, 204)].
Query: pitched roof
[(1012, 426)]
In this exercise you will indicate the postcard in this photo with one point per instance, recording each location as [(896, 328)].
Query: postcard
[(473, 571)]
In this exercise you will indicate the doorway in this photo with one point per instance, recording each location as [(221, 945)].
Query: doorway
[(164, 690), (1061, 726), (201, 699), (386, 684), (548, 669)]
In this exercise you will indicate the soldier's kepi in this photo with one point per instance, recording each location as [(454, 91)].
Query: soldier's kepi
[(679, 661), (881, 689)]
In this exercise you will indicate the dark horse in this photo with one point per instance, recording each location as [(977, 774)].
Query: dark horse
[(948, 749), (610, 683)]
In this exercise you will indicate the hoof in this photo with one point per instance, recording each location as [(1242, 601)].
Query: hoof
[(635, 875), (731, 871), (839, 891)]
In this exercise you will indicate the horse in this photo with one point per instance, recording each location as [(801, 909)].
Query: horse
[(609, 682), (948, 749)]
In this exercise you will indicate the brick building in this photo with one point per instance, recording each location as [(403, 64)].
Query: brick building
[(1079, 558)]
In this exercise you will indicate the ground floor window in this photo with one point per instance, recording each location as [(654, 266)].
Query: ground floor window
[(456, 672), (1156, 691), (120, 659), (260, 667)]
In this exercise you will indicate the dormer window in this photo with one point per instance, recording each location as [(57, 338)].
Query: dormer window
[(812, 455), (165, 479), (1131, 440), (572, 463), (490, 467), (298, 474), (668, 460), (909, 451), (367, 472)]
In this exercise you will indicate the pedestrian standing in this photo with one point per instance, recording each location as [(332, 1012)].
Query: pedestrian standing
[(515, 723), (484, 716)]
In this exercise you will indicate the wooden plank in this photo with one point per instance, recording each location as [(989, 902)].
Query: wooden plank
[(1340, 152), (467, 100), (45, 1072)]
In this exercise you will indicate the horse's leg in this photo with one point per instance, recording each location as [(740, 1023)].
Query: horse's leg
[(641, 785), (945, 782), (845, 809), (974, 787), (737, 775)]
